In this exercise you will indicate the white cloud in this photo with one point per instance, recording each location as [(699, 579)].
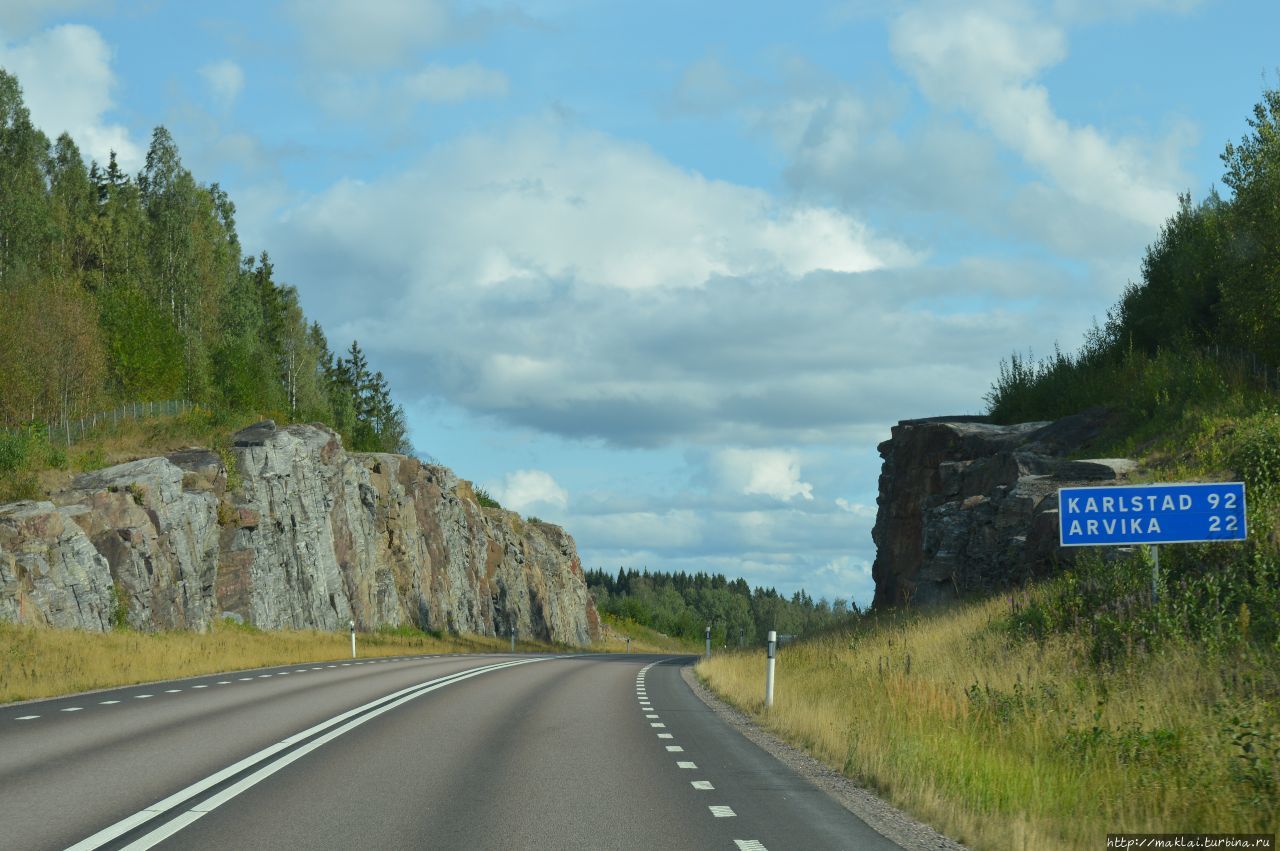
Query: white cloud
[(225, 80), (856, 508), (766, 472), (67, 83), (525, 489), (984, 60), (583, 286), (669, 531), (456, 83)]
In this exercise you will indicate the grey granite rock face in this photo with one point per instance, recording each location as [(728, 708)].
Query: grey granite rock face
[(966, 505), (302, 534)]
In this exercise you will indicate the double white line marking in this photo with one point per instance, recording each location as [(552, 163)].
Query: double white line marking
[(343, 723)]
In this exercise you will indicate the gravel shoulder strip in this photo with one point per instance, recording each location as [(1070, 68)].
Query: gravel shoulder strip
[(882, 816)]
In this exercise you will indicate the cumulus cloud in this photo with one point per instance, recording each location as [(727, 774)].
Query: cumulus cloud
[(525, 489), (773, 473), (225, 80), (456, 83), (584, 286), (68, 85), (985, 60)]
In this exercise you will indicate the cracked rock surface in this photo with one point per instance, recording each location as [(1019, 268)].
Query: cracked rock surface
[(301, 534)]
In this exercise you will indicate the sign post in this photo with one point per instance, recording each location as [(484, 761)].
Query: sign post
[(1181, 513)]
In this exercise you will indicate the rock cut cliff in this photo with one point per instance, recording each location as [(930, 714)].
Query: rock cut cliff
[(966, 505), (299, 533)]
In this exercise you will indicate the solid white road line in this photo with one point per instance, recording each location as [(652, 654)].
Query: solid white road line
[(360, 715)]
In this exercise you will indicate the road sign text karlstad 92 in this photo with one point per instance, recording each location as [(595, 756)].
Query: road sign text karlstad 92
[(1151, 514)]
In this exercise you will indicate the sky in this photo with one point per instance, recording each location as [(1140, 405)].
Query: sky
[(666, 273)]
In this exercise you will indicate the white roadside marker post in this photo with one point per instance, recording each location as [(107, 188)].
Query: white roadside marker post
[(353, 639), (513, 638), (708, 641), (768, 675)]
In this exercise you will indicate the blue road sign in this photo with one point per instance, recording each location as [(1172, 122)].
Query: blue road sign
[(1151, 514)]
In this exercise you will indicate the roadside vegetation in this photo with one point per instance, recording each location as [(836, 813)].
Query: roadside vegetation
[(1081, 705), (40, 662), (616, 630)]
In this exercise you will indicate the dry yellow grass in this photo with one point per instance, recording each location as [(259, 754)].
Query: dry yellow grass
[(37, 662), (1008, 744)]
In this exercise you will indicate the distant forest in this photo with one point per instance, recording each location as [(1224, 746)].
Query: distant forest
[(118, 288), (683, 605)]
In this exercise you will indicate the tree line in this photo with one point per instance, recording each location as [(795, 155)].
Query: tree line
[(684, 604), (130, 288), (1210, 285)]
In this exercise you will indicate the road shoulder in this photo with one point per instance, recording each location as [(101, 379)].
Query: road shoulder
[(880, 815)]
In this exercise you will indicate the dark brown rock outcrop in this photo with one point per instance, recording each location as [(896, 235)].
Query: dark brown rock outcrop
[(966, 505)]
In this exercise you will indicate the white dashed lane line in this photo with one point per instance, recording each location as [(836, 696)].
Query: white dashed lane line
[(702, 784), (685, 764), (229, 682), (749, 845), (665, 736), (722, 812), (675, 749)]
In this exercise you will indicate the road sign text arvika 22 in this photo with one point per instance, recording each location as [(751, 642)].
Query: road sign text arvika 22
[(1151, 514)]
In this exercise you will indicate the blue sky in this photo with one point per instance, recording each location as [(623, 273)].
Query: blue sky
[(666, 273)]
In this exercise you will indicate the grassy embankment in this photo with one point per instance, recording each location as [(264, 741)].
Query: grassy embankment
[(39, 662), (32, 468), (617, 629), (1048, 717)]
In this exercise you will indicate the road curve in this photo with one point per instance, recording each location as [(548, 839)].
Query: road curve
[(465, 752)]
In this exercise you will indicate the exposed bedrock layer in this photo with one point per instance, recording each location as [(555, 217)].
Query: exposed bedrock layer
[(967, 505), (300, 534)]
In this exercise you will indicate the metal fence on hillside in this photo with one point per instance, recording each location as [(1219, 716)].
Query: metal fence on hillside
[(73, 431)]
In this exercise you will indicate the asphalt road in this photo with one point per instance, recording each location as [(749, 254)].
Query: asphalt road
[(453, 752)]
